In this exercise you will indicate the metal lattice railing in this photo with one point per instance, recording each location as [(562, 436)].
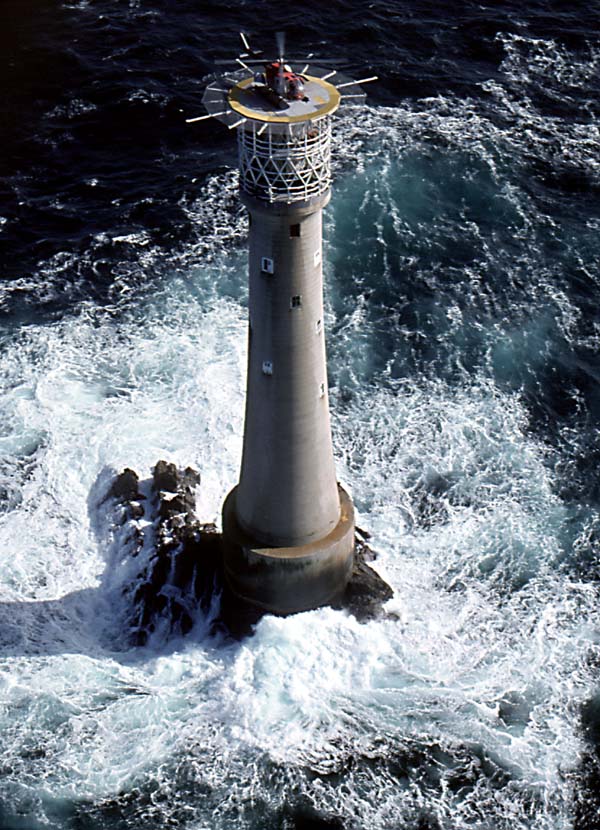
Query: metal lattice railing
[(285, 166)]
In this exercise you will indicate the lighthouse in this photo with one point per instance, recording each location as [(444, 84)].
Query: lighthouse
[(288, 525)]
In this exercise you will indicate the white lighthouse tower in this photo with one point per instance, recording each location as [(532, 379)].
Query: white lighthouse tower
[(288, 526)]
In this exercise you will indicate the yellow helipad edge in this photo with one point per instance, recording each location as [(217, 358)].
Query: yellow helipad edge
[(256, 115)]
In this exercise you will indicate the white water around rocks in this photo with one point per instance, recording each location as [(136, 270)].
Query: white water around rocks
[(478, 677)]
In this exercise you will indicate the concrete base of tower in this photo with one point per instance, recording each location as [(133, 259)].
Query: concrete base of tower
[(288, 580)]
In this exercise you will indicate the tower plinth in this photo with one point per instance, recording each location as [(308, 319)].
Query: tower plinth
[(288, 526)]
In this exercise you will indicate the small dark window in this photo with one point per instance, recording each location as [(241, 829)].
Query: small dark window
[(296, 301), (266, 265), (294, 230)]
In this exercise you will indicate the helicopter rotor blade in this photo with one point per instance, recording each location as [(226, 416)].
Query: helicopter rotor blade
[(280, 44), (259, 62), (356, 83)]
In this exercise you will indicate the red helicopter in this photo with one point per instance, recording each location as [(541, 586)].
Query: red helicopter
[(278, 83)]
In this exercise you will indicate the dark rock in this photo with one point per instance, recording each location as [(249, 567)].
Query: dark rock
[(187, 562), (149, 605), (183, 569), (139, 637), (164, 477), (125, 486), (186, 623), (307, 817), (186, 556), (587, 793), (190, 478), (160, 568), (366, 591), (176, 505), (590, 720), (147, 602), (236, 616), (587, 776), (427, 823), (181, 503), (135, 542), (207, 552), (362, 541), (176, 610), (142, 594), (136, 510)]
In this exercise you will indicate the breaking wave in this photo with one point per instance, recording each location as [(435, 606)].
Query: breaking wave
[(461, 338)]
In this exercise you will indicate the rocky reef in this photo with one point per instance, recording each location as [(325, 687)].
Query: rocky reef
[(180, 572)]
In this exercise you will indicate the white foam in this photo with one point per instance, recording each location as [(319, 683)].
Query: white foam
[(460, 496)]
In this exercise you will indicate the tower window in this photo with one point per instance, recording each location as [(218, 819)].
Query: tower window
[(319, 326), (322, 390), (296, 301), (266, 265), (295, 230), (317, 258)]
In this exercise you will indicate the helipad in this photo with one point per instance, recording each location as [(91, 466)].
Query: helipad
[(323, 99)]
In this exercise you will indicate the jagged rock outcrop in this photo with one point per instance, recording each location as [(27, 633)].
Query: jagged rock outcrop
[(366, 592), (181, 571)]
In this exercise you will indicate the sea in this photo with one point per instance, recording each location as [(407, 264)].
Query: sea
[(462, 280)]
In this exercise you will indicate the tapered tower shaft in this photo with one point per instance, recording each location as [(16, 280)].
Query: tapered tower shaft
[(287, 494)]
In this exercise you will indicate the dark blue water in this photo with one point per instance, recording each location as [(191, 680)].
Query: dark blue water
[(463, 337)]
